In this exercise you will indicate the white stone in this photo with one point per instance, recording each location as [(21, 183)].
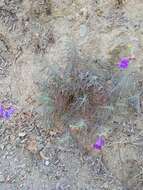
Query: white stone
[(47, 162), (22, 134), (83, 30)]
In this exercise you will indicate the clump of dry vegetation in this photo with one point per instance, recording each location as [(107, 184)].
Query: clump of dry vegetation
[(76, 95)]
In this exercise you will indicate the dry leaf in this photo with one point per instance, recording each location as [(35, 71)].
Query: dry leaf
[(32, 144)]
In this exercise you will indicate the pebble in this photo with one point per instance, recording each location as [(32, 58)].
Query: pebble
[(21, 185), (22, 134), (2, 147), (134, 102), (2, 179), (83, 30), (47, 162)]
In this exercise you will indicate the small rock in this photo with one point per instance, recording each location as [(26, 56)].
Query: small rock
[(2, 179), (47, 162), (134, 102), (21, 185), (22, 134), (2, 146), (83, 30)]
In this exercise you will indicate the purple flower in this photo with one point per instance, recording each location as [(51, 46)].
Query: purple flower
[(123, 63), (100, 142), (7, 113)]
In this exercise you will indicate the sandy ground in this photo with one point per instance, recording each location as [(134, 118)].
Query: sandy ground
[(39, 35)]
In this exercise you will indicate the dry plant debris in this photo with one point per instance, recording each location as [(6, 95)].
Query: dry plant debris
[(31, 144)]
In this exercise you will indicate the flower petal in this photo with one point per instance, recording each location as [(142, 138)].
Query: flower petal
[(123, 63), (100, 142), (7, 113)]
